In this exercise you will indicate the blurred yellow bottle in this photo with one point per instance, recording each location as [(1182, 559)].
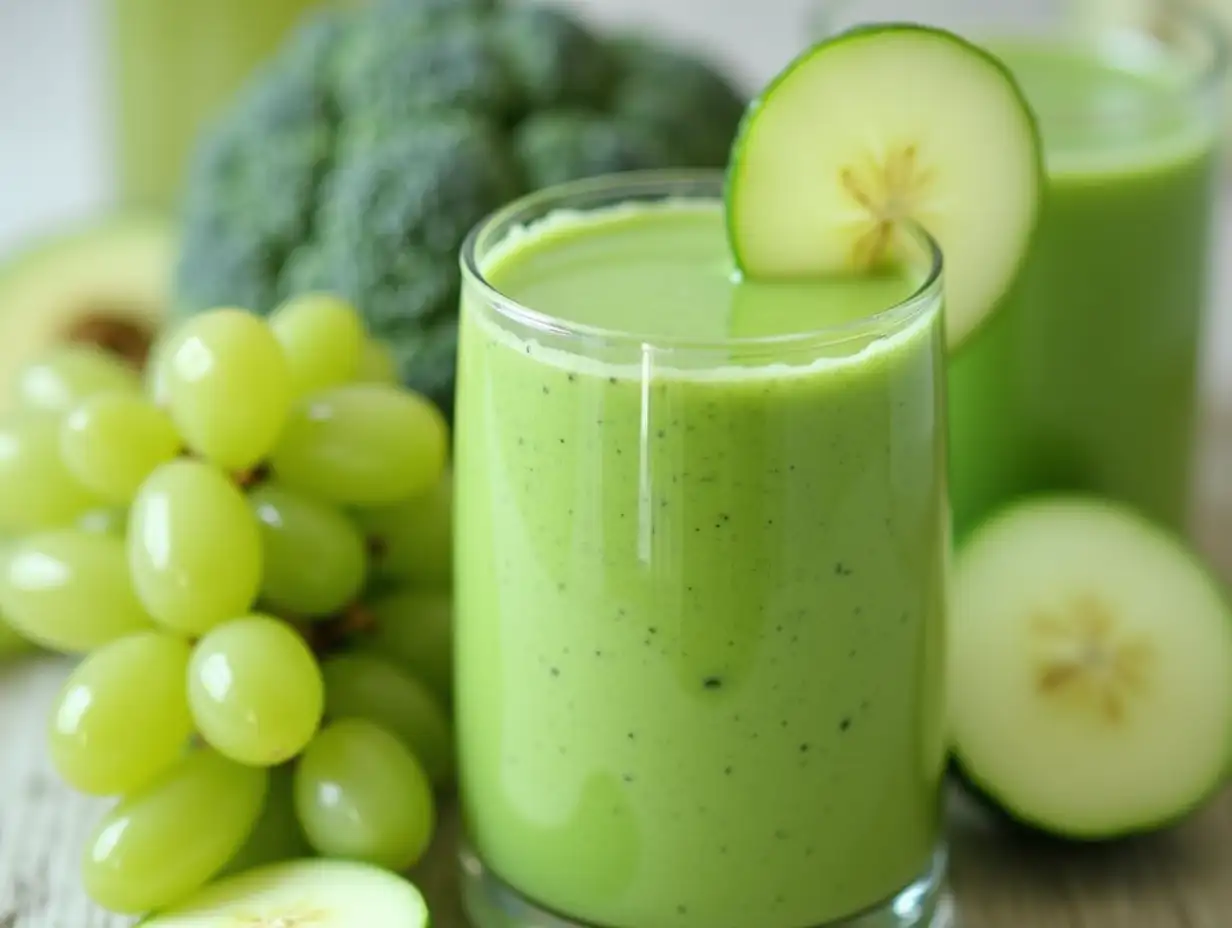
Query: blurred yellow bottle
[(174, 65)]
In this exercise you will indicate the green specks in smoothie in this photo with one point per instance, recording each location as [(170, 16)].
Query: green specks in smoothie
[(845, 723), (842, 570), (713, 683)]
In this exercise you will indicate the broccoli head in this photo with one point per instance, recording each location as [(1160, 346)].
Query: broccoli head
[(679, 99), (254, 192), (553, 59), (359, 157), (561, 145), (411, 66)]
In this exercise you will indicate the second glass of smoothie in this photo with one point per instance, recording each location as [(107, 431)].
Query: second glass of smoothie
[(702, 545), (1087, 378)]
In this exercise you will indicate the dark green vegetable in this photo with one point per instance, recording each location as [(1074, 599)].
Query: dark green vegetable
[(366, 149)]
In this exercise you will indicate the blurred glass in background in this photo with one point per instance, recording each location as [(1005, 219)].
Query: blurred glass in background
[(173, 64), (1088, 378)]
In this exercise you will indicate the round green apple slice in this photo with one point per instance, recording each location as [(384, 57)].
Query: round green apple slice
[(313, 893), (1090, 662), (878, 128)]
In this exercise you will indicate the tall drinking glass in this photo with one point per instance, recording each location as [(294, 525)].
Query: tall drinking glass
[(702, 537), (1088, 378), (174, 65)]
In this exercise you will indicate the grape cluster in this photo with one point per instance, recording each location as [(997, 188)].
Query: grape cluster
[(249, 546)]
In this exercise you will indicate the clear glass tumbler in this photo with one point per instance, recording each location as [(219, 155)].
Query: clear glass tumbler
[(174, 65), (1088, 379), (700, 590)]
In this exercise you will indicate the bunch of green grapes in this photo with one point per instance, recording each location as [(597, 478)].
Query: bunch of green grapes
[(249, 545)]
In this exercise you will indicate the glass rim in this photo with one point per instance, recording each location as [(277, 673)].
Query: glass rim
[(1160, 26), (687, 185)]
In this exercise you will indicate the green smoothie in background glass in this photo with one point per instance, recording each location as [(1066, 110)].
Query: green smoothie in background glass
[(173, 64), (702, 536), (1087, 377)]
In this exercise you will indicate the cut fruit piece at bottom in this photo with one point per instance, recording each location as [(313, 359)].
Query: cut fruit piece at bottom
[(1090, 662), (877, 130), (314, 893)]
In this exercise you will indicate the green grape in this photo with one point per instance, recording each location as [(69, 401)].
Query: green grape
[(367, 687), (193, 547), (37, 491), (227, 385), (412, 541), (11, 643), (362, 444), (315, 559), (104, 522), (376, 364), (69, 591), (154, 379), (255, 690), (277, 836), (113, 441), (167, 840), (122, 717), (361, 795), (323, 339), (414, 629), (72, 373)]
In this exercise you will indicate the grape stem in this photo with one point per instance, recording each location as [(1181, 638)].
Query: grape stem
[(248, 479), (332, 633)]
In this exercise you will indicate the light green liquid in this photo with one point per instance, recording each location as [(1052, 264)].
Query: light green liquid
[(700, 608), (1087, 380), (175, 65)]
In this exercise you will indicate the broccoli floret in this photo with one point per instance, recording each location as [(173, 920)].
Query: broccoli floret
[(410, 299), (253, 192), (423, 187), (564, 145), (406, 68), (555, 60), (361, 155), (678, 98), (313, 45), (388, 238)]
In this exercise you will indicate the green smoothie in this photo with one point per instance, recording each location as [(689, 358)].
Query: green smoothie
[(700, 590), (1087, 378), (175, 63)]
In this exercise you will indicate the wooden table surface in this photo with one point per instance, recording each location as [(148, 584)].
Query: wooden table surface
[(1178, 879)]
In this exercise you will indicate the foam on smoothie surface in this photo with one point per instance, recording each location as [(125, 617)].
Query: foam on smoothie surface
[(663, 271)]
